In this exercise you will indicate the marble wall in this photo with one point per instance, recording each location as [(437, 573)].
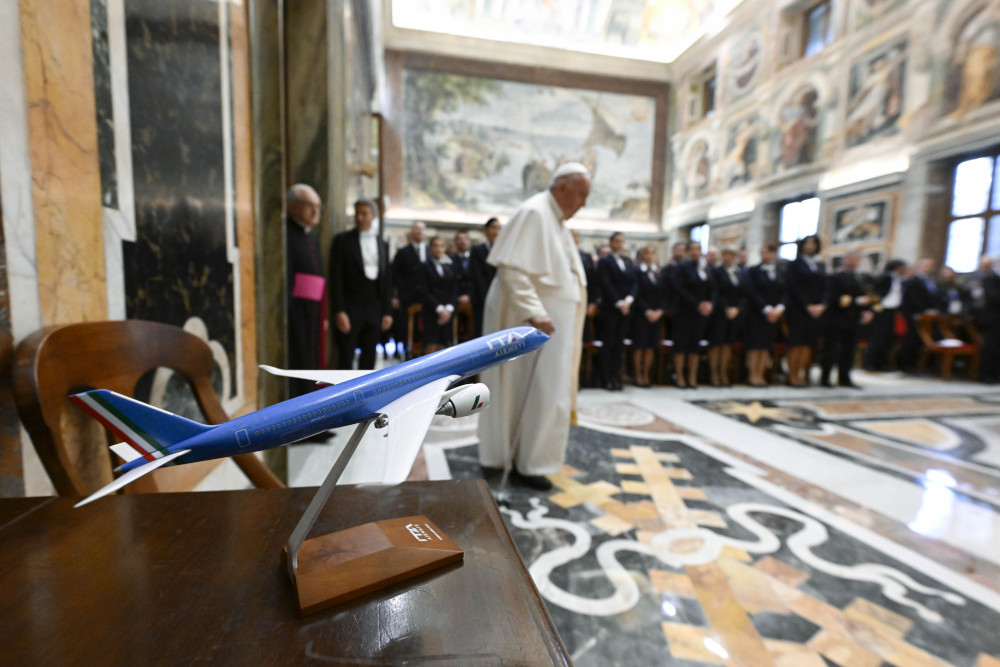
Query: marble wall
[(127, 174)]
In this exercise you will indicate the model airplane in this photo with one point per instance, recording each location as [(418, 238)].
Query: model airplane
[(404, 399)]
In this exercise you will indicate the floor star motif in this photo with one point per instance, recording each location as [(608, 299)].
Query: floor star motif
[(754, 411)]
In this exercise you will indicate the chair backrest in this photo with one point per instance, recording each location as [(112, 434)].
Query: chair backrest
[(57, 361), (925, 323), (960, 328), (413, 345)]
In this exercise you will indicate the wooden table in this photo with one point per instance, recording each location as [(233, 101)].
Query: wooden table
[(175, 578)]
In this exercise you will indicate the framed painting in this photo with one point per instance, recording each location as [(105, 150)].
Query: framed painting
[(471, 145), (862, 221)]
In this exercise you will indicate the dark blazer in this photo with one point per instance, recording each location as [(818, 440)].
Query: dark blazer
[(482, 272), (689, 289), (349, 289), (761, 291), (990, 318), (728, 294), (844, 286), (882, 285), (437, 290), (917, 297), (665, 284), (590, 271), (463, 274), (615, 283), (406, 274), (803, 286), (946, 294), (648, 294)]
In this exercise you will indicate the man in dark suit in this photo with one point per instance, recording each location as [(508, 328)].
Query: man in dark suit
[(482, 272), (888, 290), (618, 291), (305, 285), (407, 272), (989, 369), (845, 313), (678, 253), (461, 268), (360, 288), (919, 296)]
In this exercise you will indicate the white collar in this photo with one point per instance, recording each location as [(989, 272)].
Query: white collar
[(304, 228)]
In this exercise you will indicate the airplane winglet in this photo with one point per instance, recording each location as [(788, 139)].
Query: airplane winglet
[(131, 476)]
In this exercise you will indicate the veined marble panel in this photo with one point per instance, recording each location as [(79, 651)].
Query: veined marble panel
[(59, 92), (183, 263)]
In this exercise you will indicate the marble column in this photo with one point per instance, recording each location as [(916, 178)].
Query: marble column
[(266, 47)]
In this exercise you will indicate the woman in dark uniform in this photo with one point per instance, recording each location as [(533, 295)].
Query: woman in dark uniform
[(438, 297), (694, 293), (765, 295), (725, 325), (805, 287), (647, 315)]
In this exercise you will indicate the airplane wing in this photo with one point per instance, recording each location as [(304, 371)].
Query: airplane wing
[(131, 476), (325, 377), (385, 456)]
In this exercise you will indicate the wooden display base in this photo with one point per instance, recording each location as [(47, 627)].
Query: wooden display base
[(349, 563)]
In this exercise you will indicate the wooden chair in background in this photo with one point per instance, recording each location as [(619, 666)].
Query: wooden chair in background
[(963, 341), (55, 362), (591, 348), (414, 341)]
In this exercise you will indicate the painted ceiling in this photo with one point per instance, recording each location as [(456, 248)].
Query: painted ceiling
[(654, 30)]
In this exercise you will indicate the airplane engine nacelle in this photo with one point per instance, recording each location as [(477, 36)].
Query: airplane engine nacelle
[(465, 400)]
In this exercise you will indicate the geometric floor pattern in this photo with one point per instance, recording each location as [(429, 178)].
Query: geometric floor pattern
[(953, 440), (665, 552), (759, 527)]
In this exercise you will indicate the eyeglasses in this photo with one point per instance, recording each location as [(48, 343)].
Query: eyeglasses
[(318, 207)]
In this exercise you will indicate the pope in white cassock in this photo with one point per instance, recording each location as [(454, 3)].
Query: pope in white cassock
[(540, 281)]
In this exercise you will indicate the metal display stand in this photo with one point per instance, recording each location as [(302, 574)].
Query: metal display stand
[(340, 566)]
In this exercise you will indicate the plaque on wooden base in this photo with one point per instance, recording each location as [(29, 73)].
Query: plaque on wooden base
[(347, 564)]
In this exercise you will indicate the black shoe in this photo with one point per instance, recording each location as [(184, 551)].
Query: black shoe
[(536, 482), (490, 472), (848, 385), (826, 384)]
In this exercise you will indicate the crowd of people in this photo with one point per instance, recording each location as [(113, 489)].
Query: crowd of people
[(698, 305), (712, 305)]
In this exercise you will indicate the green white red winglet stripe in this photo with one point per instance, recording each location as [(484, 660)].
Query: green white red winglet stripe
[(142, 442)]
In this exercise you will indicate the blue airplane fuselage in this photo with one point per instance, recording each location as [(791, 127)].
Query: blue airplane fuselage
[(352, 401)]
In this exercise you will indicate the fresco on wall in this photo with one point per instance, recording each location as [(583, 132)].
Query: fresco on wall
[(876, 94), (795, 139), (864, 12), (739, 164), (483, 145), (745, 65), (696, 172), (972, 78)]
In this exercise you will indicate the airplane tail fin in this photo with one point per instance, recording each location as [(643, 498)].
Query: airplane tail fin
[(145, 430)]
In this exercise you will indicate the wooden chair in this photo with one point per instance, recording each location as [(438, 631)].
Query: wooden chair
[(414, 343), (952, 327), (468, 317), (591, 347), (55, 362)]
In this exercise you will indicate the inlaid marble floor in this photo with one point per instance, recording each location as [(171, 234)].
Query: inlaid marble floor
[(761, 527)]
